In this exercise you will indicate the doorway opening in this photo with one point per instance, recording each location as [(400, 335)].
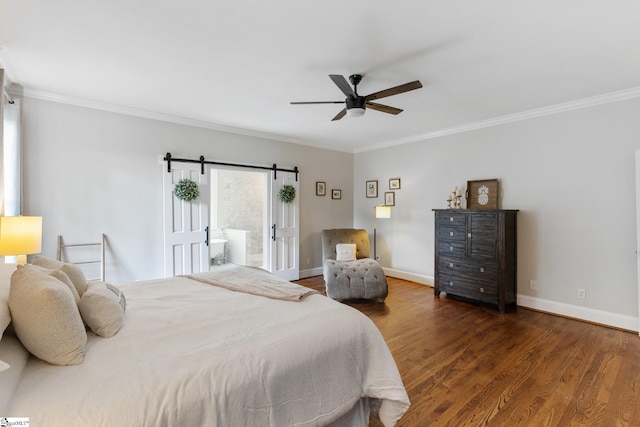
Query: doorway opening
[(239, 215)]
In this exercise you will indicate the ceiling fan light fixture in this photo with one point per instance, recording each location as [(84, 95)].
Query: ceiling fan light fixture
[(355, 112), (355, 106)]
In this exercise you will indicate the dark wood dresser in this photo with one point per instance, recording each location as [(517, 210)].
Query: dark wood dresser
[(475, 255)]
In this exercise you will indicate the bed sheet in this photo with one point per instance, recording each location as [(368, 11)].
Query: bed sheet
[(191, 354)]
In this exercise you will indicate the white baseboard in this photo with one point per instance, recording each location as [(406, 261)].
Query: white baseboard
[(607, 318), (413, 277), (310, 272), (583, 313)]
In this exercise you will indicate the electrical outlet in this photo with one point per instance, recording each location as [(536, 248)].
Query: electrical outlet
[(582, 294), (533, 285), (308, 261)]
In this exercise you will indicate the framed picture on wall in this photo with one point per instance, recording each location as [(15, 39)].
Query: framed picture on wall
[(372, 188), (321, 188), (336, 194), (389, 198), (394, 184)]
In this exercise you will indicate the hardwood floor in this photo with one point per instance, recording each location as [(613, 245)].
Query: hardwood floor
[(468, 365)]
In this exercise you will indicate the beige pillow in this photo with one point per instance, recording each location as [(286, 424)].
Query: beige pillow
[(62, 276), (102, 308), (45, 317), (345, 252), (74, 272)]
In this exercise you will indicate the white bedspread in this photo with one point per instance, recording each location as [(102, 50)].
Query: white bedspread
[(192, 354)]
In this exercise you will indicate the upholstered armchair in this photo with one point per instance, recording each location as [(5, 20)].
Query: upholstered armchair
[(349, 273)]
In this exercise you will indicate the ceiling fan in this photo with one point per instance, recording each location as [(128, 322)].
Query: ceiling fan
[(355, 104)]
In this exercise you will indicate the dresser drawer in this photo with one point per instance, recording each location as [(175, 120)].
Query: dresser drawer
[(450, 264), (486, 271), (451, 248), (468, 288), (451, 219), (450, 277), (452, 234)]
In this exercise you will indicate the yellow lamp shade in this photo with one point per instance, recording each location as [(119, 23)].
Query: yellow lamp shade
[(383, 212), (20, 235)]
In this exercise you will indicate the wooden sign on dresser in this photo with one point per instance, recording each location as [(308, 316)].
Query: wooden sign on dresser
[(475, 255)]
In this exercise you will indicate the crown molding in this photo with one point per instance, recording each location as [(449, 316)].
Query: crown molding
[(578, 104), (497, 121), (153, 115)]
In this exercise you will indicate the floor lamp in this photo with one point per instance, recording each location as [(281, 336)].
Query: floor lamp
[(382, 212), (20, 236)]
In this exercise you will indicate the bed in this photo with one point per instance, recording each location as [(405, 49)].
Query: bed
[(193, 352)]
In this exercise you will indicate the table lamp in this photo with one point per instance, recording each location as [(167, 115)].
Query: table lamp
[(382, 212), (20, 236)]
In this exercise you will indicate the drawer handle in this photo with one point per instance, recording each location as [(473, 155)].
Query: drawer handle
[(482, 290), (481, 269)]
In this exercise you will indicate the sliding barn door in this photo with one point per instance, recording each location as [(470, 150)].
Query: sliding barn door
[(285, 230), (185, 223)]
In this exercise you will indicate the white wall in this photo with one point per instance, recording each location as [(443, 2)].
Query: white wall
[(89, 172), (570, 174), (572, 177)]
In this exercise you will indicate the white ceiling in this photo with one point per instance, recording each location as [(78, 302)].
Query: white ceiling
[(235, 65)]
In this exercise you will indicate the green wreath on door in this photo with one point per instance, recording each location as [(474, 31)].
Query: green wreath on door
[(287, 193), (186, 190)]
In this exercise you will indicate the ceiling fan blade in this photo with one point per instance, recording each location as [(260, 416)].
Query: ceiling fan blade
[(383, 108), (318, 102), (340, 115), (394, 90), (342, 84)]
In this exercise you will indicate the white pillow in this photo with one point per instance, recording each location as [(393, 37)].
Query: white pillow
[(45, 317), (102, 308), (74, 272), (345, 252)]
